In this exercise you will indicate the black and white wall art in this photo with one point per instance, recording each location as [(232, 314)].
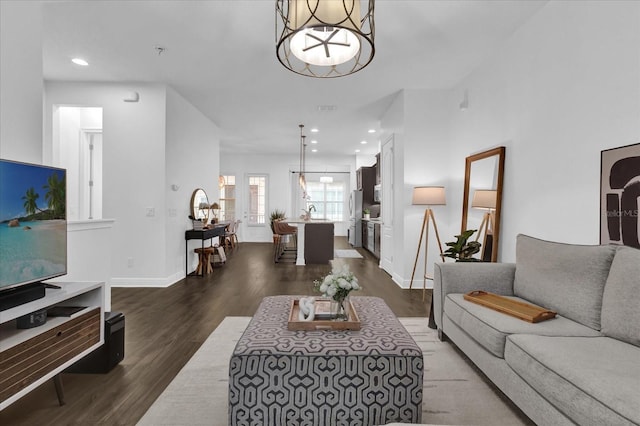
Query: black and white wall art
[(619, 196)]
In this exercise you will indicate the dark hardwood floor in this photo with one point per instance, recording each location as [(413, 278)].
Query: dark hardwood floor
[(165, 326)]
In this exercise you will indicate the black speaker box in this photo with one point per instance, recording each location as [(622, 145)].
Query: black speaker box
[(34, 319), (103, 359)]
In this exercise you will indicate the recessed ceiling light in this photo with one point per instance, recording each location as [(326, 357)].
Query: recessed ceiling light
[(372, 130), (314, 150), (80, 61), (357, 150), (314, 141), (363, 142), (314, 130)]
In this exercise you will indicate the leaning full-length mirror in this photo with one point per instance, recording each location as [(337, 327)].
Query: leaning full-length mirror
[(200, 205), (482, 203)]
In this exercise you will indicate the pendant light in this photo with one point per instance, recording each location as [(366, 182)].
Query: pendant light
[(301, 177), (324, 38)]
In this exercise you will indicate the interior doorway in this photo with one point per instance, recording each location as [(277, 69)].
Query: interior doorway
[(78, 147)]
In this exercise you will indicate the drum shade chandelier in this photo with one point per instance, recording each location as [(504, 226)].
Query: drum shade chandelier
[(324, 38)]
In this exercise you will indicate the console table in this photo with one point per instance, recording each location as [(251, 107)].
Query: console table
[(204, 234), (371, 376), (30, 357)]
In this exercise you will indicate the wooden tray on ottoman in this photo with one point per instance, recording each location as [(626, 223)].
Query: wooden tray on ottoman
[(353, 323), (524, 311)]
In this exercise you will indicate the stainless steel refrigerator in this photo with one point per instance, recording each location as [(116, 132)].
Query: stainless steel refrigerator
[(355, 221)]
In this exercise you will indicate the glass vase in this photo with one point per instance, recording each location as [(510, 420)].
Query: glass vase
[(340, 309)]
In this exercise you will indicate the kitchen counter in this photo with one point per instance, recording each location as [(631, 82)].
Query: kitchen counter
[(371, 230), (373, 219), (315, 241)]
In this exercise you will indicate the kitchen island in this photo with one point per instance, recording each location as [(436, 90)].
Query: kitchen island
[(315, 241)]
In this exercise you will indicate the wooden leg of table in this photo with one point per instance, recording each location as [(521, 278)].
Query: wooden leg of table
[(57, 381)]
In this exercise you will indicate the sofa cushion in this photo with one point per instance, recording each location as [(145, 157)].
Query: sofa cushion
[(565, 278), (490, 328), (592, 380), (621, 299)]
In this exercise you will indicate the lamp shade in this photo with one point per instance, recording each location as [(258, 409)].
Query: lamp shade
[(215, 206), (429, 195), (484, 199), (324, 38)]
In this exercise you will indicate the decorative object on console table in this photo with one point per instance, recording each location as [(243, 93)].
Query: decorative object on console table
[(619, 192), (429, 196), (367, 214), (337, 286), (215, 207)]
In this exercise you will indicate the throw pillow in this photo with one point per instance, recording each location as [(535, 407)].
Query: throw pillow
[(621, 299), (566, 278)]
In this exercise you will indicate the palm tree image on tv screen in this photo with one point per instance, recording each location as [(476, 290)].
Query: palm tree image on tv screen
[(33, 227)]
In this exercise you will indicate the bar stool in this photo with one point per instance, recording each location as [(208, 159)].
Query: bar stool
[(283, 231)]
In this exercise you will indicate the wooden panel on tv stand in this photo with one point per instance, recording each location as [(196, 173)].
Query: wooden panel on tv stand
[(29, 361), (30, 357)]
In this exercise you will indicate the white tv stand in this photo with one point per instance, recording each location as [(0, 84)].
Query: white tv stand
[(30, 357)]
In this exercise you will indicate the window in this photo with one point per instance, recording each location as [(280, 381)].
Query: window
[(257, 200), (327, 199), (227, 185)]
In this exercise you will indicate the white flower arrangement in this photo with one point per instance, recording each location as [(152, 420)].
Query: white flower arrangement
[(338, 284)]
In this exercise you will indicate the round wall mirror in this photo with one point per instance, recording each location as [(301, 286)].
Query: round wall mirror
[(200, 205)]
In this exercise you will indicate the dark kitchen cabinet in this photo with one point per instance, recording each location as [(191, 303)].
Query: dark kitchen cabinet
[(366, 180)]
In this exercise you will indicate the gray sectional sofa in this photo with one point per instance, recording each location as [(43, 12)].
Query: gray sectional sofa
[(582, 367)]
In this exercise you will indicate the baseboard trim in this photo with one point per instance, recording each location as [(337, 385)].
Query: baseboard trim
[(148, 282)]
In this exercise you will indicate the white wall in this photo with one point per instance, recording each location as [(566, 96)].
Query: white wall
[(279, 193), (133, 174), (148, 146), (563, 88), (192, 161), (21, 81), (426, 163), (419, 120)]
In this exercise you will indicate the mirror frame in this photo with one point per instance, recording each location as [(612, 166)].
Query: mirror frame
[(192, 206), (499, 151)]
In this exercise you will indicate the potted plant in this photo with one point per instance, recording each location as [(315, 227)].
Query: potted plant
[(462, 250), (367, 214), (275, 215)]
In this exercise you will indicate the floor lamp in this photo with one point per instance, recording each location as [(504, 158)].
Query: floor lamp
[(429, 196), (485, 199)]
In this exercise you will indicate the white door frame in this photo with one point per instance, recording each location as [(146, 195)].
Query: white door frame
[(386, 240)]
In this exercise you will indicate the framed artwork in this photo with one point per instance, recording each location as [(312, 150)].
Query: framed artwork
[(619, 195)]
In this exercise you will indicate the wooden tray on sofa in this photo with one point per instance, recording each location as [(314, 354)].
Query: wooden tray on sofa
[(524, 311)]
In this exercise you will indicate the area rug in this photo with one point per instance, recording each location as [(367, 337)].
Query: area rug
[(454, 392), (348, 253)]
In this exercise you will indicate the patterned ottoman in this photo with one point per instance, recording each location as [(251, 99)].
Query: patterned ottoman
[(368, 377)]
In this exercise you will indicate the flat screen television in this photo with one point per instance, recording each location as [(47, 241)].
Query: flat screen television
[(33, 224)]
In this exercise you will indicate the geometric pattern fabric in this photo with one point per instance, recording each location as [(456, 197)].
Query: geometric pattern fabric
[(370, 376)]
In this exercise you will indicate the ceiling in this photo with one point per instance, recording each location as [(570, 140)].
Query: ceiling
[(220, 56)]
